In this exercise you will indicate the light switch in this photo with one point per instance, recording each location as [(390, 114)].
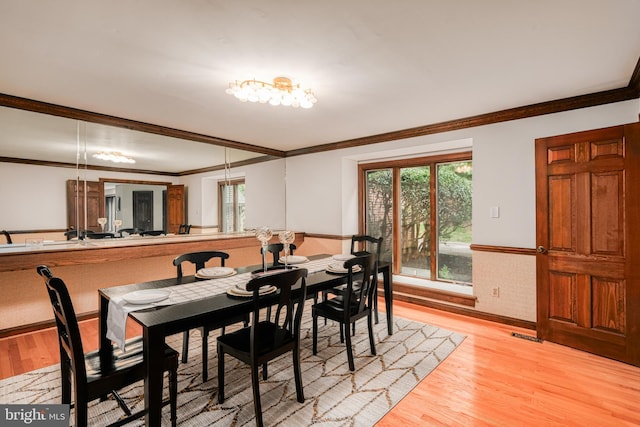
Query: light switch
[(494, 212)]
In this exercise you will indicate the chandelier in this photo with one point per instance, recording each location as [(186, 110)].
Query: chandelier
[(281, 92), (113, 156)]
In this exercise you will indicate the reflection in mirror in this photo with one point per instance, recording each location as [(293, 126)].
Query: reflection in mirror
[(137, 206), (41, 151)]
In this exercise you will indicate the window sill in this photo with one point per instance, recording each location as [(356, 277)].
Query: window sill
[(448, 292)]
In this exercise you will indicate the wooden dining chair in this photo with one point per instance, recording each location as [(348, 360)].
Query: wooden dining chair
[(277, 251), (84, 374), (7, 236), (184, 229), (199, 259), (363, 244), (354, 303), (264, 340)]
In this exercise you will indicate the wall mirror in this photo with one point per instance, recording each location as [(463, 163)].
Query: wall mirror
[(37, 138)]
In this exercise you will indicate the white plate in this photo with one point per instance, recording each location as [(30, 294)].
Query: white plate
[(295, 259), (337, 267), (146, 296), (215, 272), (237, 292), (343, 257)]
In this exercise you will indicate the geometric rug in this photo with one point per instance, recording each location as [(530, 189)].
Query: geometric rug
[(334, 396)]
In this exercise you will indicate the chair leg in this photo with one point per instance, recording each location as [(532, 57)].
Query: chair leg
[(173, 394), (375, 303), (205, 353), (264, 371), (342, 332), (185, 346), (349, 350), (255, 382), (371, 341), (298, 374), (220, 375), (82, 412), (66, 382), (315, 331)]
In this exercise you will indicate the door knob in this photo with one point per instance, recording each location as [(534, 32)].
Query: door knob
[(542, 250)]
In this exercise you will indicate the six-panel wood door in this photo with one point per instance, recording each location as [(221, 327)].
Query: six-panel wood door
[(175, 208), (588, 236)]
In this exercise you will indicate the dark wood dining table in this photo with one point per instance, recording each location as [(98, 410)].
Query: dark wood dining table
[(159, 322)]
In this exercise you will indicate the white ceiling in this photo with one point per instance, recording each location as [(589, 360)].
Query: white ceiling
[(375, 66)]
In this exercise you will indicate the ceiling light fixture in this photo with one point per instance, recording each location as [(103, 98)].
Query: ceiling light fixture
[(281, 92), (113, 156)]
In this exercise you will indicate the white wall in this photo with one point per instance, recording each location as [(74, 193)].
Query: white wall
[(35, 197)]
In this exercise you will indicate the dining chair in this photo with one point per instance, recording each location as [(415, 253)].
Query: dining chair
[(129, 231), (276, 249), (264, 340), (363, 244), (199, 259), (83, 372), (184, 229), (354, 303), (7, 236)]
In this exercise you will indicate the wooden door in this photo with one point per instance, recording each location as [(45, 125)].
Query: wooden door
[(143, 210), (588, 233), (77, 203), (175, 208)]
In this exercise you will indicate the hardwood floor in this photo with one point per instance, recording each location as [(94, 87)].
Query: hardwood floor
[(492, 379)]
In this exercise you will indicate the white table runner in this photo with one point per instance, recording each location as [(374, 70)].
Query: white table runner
[(118, 310)]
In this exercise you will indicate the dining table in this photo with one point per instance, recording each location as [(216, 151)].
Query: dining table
[(160, 321)]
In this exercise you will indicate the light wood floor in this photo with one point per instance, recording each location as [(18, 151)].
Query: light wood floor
[(492, 379)]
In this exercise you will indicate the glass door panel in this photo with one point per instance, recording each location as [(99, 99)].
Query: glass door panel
[(379, 209), (415, 212)]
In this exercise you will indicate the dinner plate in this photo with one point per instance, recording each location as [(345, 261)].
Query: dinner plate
[(337, 267), (237, 292), (146, 296), (343, 257), (295, 259), (215, 272)]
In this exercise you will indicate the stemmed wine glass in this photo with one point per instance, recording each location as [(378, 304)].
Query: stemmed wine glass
[(286, 237), (264, 234), (102, 222), (117, 223)]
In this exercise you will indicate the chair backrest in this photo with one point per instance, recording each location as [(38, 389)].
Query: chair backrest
[(288, 313), (69, 339), (152, 232), (360, 297), (199, 259), (363, 244), (7, 236), (275, 249), (70, 234), (184, 229)]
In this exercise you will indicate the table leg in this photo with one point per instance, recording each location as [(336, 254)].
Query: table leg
[(388, 297), (153, 356), (105, 345)]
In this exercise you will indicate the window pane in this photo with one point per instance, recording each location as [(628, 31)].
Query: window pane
[(379, 220), (240, 209), (454, 221), (227, 208), (415, 219)]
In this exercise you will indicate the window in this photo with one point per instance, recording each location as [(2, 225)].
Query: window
[(231, 202), (422, 209)]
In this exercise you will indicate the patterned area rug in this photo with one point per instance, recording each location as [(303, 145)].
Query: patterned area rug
[(334, 395)]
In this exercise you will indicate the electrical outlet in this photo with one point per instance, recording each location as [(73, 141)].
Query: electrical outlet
[(495, 292)]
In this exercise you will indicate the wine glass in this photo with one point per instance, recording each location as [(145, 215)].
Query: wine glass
[(117, 223), (264, 234), (102, 222), (286, 237)]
